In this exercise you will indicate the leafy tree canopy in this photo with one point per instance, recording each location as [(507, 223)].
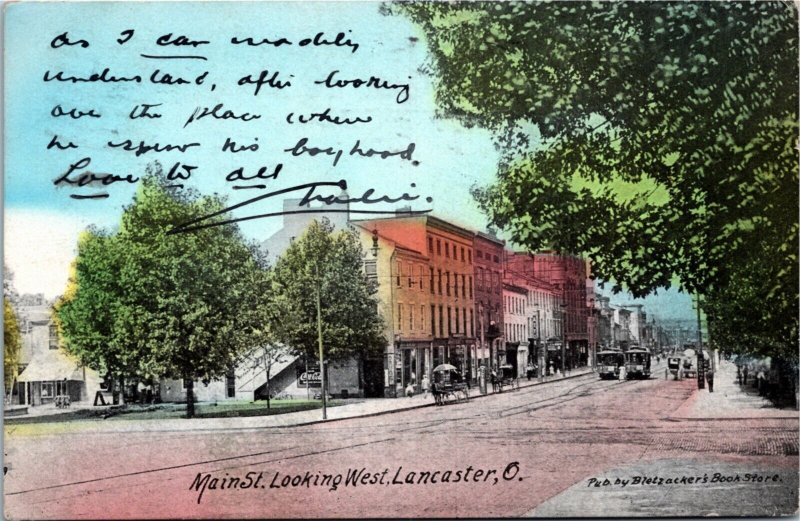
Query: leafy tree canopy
[(330, 264), (148, 303), (657, 138), (12, 343)]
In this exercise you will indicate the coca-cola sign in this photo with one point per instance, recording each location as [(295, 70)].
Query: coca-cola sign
[(309, 378)]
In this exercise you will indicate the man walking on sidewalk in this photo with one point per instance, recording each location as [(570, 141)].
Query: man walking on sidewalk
[(710, 380)]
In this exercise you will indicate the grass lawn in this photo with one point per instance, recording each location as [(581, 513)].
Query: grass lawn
[(226, 409)]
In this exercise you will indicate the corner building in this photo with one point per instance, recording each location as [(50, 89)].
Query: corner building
[(427, 291)]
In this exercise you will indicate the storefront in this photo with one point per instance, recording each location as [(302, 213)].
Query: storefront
[(412, 361), (49, 375), (511, 356)]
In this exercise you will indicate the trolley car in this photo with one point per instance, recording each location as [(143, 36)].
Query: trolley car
[(637, 363), (608, 364)]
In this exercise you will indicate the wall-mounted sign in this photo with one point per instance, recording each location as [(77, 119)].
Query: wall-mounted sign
[(310, 378)]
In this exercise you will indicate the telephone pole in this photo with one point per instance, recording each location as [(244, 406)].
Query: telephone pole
[(319, 340)]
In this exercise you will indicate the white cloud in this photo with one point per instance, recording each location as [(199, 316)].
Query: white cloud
[(39, 247)]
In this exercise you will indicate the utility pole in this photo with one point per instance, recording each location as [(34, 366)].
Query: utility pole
[(701, 383), (539, 352), (319, 340)]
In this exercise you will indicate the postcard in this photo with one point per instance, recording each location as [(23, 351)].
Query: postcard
[(356, 259)]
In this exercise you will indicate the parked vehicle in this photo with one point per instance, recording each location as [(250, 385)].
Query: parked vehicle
[(608, 363), (674, 365), (637, 363), (507, 378), (448, 383), (690, 363)]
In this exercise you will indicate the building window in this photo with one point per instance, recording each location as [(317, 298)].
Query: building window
[(440, 281), (449, 321), (471, 323), (464, 319), (230, 384), (400, 317), (399, 273), (421, 276), (458, 322), (438, 247), (463, 285), (430, 244), (410, 275), (462, 254), (411, 318), (422, 318), (431, 273), (470, 286), (496, 259), (479, 253), (447, 250), (469, 256), (448, 283), (47, 390), (441, 321), (433, 320), (53, 339)]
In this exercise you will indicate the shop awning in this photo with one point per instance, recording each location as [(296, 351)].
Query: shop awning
[(51, 365)]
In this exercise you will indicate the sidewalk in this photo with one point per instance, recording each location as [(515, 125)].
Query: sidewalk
[(362, 408), (729, 401)]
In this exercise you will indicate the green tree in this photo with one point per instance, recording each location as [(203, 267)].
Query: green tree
[(657, 138), (12, 343), (329, 264), (151, 303), (85, 319)]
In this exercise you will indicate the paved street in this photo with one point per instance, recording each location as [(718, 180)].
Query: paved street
[(535, 452)]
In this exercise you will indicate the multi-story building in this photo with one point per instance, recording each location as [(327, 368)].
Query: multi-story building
[(622, 328), (488, 273), (543, 310), (432, 304), (568, 274), (605, 319), (515, 326), (638, 318)]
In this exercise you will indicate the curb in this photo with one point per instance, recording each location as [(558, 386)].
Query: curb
[(412, 407), (732, 418)]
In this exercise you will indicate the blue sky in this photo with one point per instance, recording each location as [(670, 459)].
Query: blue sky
[(42, 221)]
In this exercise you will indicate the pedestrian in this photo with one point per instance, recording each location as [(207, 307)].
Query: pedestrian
[(710, 380), (622, 373), (739, 374), (425, 385), (410, 390), (744, 374), (760, 381)]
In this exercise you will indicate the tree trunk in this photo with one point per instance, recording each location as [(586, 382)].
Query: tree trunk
[(114, 387), (269, 391), (190, 398)]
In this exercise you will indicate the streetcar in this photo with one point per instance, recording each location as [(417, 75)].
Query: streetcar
[(608, 363), (637, 362)]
